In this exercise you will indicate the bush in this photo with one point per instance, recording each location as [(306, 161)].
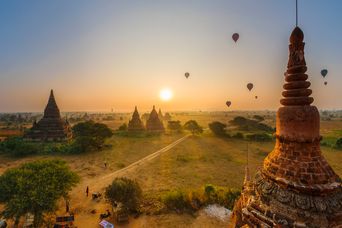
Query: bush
[(123, 127), (193, 200), (260, 137), (17, 147), (175, 200), (338, 143), (238, 135), (248, 125), (218, 128), (259, 118), (174, 125), (124, 191)]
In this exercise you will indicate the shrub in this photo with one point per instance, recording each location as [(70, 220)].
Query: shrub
[(123, 127), (194, 199), (175, 200), (218, 128), (259, 118), (338, 143), (238, 135), (124, 191), (247, 124), (174, 125), (260, 137), (17, 147)]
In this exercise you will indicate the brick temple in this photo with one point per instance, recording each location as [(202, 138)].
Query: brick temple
[(51, 127), (154, 124), (296, 187), (135, 124)]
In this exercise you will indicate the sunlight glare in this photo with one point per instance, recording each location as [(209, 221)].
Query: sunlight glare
[(165, 94)]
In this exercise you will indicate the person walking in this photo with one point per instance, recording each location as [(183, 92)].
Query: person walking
[(87, 191)]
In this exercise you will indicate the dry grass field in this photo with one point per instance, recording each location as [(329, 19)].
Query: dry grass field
[(199, 160)]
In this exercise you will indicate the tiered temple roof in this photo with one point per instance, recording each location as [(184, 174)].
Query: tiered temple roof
[(135, 124), (154, 123), (51, 127), (296, 186)]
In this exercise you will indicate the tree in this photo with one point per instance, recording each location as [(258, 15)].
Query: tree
[(193, 126), (218, 128), (123, 127), (124, 191), (174, 125), (259, 118), (35, 188), (90, 135)]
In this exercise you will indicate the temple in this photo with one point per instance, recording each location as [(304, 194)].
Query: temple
[(135, 124), (296, 187), (160, 115), (51, 127), (154, 124)]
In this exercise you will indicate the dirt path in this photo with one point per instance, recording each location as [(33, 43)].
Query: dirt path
[(94, 183), (82, 205)]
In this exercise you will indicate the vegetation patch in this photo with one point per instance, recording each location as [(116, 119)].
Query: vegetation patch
[(126, 192), (35, 188), (245, 124), (194, 199)]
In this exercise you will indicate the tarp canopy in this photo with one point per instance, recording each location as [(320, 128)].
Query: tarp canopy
[(106, 224)]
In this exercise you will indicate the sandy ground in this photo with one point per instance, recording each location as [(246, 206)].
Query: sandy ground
[(83, 206)]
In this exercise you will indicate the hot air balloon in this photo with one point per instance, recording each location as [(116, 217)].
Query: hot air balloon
[(187, 74), (324, 72), (256, 97), (228, 103), (250, 86), (235, 37), (325, 83)]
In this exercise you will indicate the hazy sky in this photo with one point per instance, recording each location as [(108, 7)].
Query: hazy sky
[(101, 54)]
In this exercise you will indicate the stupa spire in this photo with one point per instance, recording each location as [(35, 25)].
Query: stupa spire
[(154, 123), (296, 88), (51, 109), (296, 186), (135, 124), (51, 127)]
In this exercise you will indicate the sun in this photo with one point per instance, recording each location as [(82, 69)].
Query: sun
[(165, 94)]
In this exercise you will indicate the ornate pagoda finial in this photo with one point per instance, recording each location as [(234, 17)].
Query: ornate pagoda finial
[(296, 87)]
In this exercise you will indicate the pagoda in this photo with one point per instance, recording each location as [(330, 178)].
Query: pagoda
[(160, 115), (135, 124), (296, 187), (51, 127), (153, 123)]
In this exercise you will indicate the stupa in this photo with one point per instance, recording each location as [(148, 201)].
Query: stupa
[(51, 127), (153, 123), (296, 187), (135, 124), (160, 115)]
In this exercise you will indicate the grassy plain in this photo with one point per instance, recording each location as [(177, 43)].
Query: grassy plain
[(197, 161)]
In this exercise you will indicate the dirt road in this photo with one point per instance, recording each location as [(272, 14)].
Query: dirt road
[(95, 183), (82, 205)]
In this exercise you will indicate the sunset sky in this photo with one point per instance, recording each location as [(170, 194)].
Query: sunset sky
[(104, 54)]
